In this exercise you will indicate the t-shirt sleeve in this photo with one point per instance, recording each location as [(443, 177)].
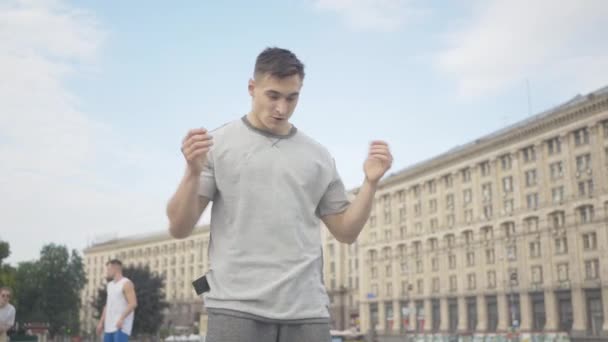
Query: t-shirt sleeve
[(208, 187), (11, 317), (335, 199)]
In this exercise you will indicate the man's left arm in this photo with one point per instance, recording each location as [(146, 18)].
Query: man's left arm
[(129, 292), (347, 225)]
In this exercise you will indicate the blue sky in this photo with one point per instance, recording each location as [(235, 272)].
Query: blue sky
[(97, 95)]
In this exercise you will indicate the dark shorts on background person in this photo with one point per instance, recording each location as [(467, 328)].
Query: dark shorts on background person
[(117, 336), (229, 328)]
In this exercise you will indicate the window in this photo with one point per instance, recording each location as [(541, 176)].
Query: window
[(435, 285), (419, 266), (581, 136), (435, 264), (605, 128), (585, 214), (419, 286), (513, 277), (557, 170), (532, 201), (466, 175), (486, 191), (448, 180), (468, 216), (557, 194), (554, 146), (418, 227), (529, 154), (450, 220), (592, 269), (471, 281), (585, 188), (562, 272), (507, 184), (467, 196), (416, 190), (432, 186), (404, 268), (333, 284), (487, 233), (471, 259), (401, 196), (490, 256), (372, 221), (373, 236), (402, 216), (487, 211), (433, 244), (402, 232), (512, 252), (491, 279), (485, 168), (433, 205), (450, 240), (453, 283), (509, 229), (389, 270), (452, 261), (387, 235), (389, 290), (374, 272), (505, 162), (535, 249), (417, 209), (557, 219), (531, 224), (468, 237), (449, 201), (508, 206), (417, 248), (531, 178), (590, 241), (537, 275), (583, 162), (561, 245)]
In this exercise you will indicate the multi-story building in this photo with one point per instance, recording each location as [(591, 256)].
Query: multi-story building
[(507, 231), (179, 261)]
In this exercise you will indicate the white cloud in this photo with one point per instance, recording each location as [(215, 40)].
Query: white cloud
[(377, 15), (52, 188), (508, 41)]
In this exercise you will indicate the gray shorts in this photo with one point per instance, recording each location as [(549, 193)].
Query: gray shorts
[(229, 328)]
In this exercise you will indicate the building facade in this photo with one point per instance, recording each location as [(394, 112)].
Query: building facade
[(510, 231), (179, 261)]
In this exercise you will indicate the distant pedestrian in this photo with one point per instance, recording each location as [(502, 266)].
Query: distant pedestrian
[(7, 313), (117, 318)]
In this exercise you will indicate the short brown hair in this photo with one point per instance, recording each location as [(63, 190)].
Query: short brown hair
[(278, 62), (6, 288), (115, 262)]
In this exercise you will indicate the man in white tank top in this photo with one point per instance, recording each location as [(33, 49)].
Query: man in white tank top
[(117, 318)]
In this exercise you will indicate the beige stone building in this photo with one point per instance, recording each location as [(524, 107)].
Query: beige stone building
[(509, 230), (179, 261)]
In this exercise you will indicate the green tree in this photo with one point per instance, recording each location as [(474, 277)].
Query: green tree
[(150, 303), (7, 272), (49, 289)]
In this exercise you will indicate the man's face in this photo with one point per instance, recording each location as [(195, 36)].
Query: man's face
[(5, 296), (110, 272), (274, 101)]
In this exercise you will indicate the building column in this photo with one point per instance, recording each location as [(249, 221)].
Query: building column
[(502, 304), (381, 317), (364, 317), (526, 311), (605, 306), (413, 315), (445, 315), (462, 314), (397, 317), (579, 311), (552, 316), (482, 313), (428, 315)]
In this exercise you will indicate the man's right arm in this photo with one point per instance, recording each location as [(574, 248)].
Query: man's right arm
[(187, 205)]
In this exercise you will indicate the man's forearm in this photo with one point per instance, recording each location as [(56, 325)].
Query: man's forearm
[(358, 212), (183, 208)]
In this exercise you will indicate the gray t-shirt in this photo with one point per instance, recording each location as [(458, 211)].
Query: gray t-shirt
[(268, 195)]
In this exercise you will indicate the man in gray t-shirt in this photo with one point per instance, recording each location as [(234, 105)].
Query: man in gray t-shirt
[(270, 185)]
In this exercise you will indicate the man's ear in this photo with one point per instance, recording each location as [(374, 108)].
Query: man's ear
[(251, 86)]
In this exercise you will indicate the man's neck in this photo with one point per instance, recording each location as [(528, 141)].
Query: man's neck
[(118, 277), (253, 120)]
